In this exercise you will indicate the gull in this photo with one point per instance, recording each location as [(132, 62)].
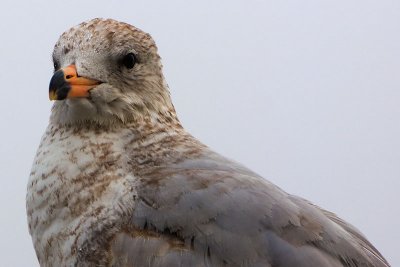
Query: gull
[(117, 180)]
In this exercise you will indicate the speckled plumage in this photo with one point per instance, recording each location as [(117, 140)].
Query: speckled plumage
[(117, 181)]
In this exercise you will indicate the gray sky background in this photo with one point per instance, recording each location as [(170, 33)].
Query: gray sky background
[(306, 93)]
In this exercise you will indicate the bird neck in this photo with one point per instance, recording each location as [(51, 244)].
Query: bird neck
[(81, 114)]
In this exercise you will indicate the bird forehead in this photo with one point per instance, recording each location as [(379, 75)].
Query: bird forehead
[(102, 35)]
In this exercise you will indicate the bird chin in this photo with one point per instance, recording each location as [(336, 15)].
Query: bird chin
[(71, 111), (80, 104), (85, 111)]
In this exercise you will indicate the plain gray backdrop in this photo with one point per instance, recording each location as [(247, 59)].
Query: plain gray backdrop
[(306, 93)]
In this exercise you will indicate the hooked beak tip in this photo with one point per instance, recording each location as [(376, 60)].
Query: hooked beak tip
[(52, 95)]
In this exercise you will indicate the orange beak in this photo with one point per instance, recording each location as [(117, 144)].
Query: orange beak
[(66, 83)]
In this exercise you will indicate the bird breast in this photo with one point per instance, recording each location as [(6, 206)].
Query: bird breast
[(77, 183)]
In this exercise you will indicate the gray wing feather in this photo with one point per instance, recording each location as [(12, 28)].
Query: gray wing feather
[(213, 212)]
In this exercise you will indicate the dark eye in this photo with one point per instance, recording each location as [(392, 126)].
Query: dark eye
[(129, 60)]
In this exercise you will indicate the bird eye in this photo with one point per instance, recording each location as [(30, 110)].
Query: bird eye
[(129, 60)]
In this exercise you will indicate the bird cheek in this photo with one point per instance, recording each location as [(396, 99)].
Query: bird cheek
[(104, 93)]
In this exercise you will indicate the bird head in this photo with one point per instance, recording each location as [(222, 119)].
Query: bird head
[(107, 72)]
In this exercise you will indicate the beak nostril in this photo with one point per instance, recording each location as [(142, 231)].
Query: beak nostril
[(69, 76)]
